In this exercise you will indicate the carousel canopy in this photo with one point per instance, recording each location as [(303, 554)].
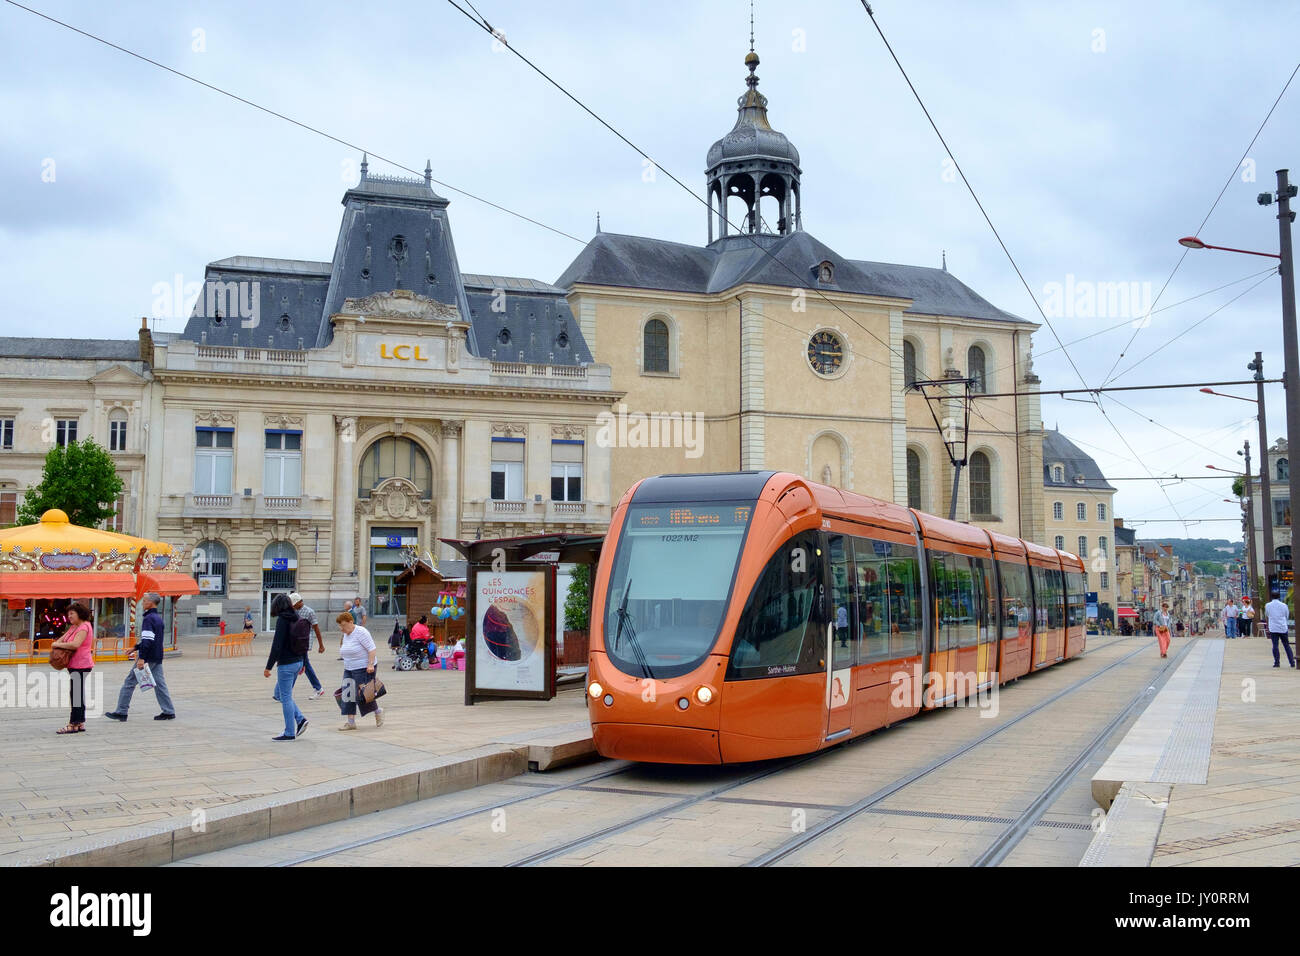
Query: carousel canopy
[(55, 558)]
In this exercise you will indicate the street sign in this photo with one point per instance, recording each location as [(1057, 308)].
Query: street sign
[(1244, 587)]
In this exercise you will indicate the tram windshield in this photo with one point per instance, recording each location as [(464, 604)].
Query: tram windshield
[(670, 585)]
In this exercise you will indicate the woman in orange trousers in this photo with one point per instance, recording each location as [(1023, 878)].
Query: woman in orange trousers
[(1163, 623)]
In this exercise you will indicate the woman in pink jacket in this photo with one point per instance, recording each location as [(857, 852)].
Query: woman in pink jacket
[(80, 639)]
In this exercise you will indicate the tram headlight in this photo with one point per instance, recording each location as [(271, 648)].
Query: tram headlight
[(704, 694), (595, 690)]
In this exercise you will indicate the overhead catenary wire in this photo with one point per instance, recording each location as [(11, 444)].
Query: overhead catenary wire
[(1231, 176), (289, 119)]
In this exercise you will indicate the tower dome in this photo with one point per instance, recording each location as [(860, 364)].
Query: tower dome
[(754, 163)]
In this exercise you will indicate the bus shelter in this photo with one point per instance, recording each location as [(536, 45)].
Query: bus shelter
[(510, 611), (46, 566)]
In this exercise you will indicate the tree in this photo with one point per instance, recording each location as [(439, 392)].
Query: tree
[(79, 479), (1211, 567), (1239, 486), (577, 603)]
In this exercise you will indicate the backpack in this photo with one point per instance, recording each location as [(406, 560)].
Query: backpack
[(300, 637)]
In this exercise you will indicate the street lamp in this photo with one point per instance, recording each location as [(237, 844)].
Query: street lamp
[(1249, 508), (1291, 349), (1265, 477)]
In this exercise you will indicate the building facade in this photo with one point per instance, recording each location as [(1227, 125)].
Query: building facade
[(1080, 515), (772, 350), (1279, 472)]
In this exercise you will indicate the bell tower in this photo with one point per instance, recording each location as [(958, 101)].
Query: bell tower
[(753, 172)]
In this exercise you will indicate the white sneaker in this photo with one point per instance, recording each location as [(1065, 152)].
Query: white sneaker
[(319, 694), (379, 717)]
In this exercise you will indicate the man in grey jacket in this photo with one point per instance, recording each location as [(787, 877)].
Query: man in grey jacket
[(149, 651)]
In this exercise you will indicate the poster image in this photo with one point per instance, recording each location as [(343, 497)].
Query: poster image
[(510, 607)]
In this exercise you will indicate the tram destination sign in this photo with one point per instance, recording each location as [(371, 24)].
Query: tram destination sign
[(721, 515)]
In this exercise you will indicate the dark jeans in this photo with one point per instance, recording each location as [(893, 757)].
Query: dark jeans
[(1243, 625), (351, 697), (311, 674), (77, 693), (1285, 643)]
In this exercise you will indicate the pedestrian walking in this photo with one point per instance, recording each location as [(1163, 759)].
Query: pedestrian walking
[(1230, 620), (1278, 615), (248, 618), (358, 612), (149, 651), (1163, 623), (305, 612), (288, 664), (80, 639), (359, 656), (1246, 617)]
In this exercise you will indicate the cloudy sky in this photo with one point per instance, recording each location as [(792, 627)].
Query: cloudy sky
[(1096, 134)]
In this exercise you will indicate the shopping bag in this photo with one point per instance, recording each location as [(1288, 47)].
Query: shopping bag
[(144, 677)]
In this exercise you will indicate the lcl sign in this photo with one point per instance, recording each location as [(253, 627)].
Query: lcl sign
[(401, 352)]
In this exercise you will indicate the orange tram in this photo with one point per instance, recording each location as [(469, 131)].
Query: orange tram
[(751, 615)]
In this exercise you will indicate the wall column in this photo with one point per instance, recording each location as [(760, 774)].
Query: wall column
[(449, 490), (345, 496)]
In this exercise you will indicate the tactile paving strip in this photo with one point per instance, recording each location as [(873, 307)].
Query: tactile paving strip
[(1186, 755)]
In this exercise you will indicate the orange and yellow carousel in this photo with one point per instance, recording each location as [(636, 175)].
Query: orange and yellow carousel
[(46, 566)]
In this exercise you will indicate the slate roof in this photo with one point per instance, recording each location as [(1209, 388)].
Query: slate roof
[(394, 234), (120, 350), (535, 326), (637, 262), (1125, 537), (1057, 449)]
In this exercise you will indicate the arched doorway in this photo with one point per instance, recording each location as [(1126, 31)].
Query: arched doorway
[(279, 576)]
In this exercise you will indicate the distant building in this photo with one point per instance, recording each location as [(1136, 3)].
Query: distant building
[(1080, 515)]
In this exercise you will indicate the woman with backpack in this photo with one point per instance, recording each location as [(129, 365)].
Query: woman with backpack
[(288, 648)]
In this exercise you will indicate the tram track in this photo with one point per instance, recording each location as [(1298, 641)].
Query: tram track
[(1010, 837), (1005, 843)]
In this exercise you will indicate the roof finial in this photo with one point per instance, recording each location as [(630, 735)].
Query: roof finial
[(365, 166), (598, 220), (944, 253), (751, 58), (428, 174), (751, 26)]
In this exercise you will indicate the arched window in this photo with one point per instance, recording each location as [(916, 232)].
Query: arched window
[(395, 458), (117, 430), (909, 362), (654, 350), (913, 479), (209, 563), (1058, 474), (279, 570), (981, 484), (975, 369), (1283, 470)]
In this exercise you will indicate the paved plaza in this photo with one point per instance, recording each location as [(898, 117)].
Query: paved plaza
[(59, 789)]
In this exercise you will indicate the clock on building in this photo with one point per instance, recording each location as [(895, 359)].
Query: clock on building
[(825, 352)]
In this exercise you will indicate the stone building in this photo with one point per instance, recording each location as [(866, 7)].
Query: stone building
[(765, 348), (1279, 473), (319, 424), (1080, 514)]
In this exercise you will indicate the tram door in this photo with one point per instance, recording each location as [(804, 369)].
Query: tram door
[(842, 634)]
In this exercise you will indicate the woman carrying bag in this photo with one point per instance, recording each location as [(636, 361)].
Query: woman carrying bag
[(79, 638), (1163, 622), (359, 656)]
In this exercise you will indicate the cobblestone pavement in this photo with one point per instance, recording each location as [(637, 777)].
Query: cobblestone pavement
[(1248, 811), (219, 749), (948, 817)]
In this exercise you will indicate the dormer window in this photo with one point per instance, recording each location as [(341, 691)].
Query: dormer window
[(825, 272), (1058, 474), (504, 336)]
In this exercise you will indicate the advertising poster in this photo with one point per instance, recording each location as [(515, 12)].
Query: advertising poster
[(510, 613)]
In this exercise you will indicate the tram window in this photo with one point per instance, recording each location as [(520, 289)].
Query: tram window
[(905, 617), (844, 614), (1047, 598), (782, 629), (1075, 599), (1016, 604), (986, 600), (871, 559), (954, 596)]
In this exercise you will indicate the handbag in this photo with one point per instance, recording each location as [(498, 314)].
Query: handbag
[(59, 658), (372, 690)]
